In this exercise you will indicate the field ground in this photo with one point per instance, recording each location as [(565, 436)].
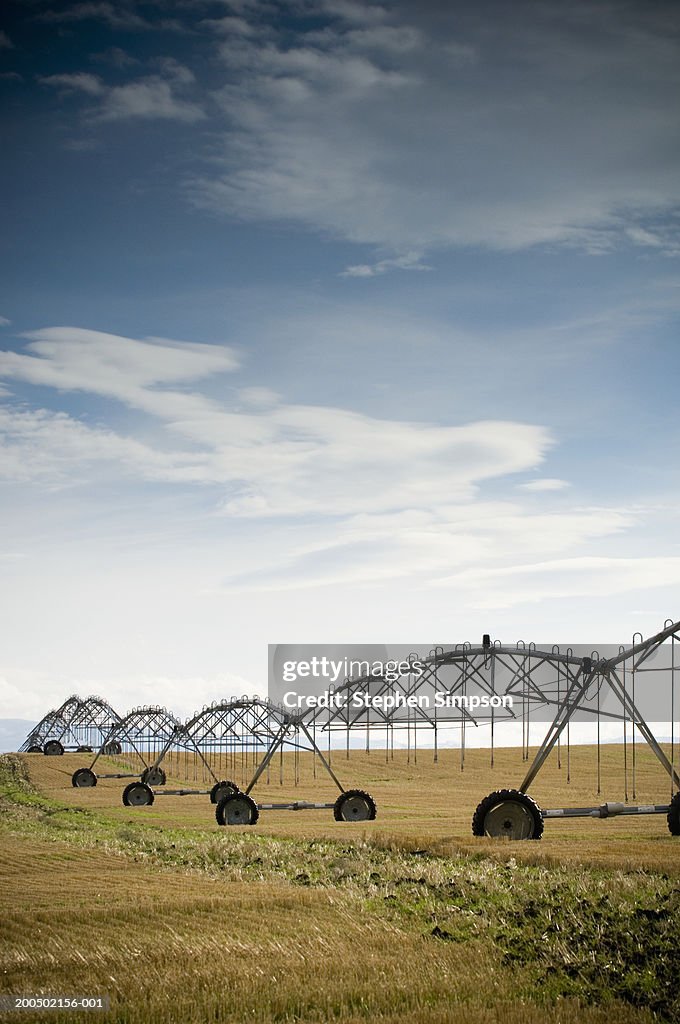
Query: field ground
[(407, 918), (430, 804)]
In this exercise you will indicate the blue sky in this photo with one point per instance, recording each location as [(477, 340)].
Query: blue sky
[(332, 321)]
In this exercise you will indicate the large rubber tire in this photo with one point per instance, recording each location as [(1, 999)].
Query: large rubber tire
[(84, 750), (34, 749), (354, 805), (222, 789), (153, 776), (53, 748), (237, 809), (113, 747), (83, 778), (138, 794), (673, 816), (510, 814)]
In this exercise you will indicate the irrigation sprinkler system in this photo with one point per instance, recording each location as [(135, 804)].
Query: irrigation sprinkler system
[(227, 748), (515, 815), (243, 737), (79, 725), (139, 741)]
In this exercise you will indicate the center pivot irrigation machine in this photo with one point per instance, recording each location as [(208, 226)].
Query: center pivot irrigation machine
[(243, 737), (136, 740), (240, 737), (453, 689), (511, 812), (80, 725)]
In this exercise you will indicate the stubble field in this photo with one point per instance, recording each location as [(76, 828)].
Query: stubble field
[(300, 918)]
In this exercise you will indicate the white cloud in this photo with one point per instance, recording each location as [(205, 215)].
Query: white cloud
[(409, 261), (118, 16), (416, 127), (354, 13), (276, 458), (664, 238), (412, 127), (644, 237), (586, 576), (79, 82), (335, 462), (366, 499), (245, 6), (116, 57), (31, 694), (259, 396), (545, 484), (172, 69), (346, 73), (74, 358), (5, 42), (230, 26), (57, 451), (150, 97), (4, 322), (269, 497), (425, 545), (385, 38)]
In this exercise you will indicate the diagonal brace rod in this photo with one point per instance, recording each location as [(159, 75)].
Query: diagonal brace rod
[(639, 721), (565, 712)]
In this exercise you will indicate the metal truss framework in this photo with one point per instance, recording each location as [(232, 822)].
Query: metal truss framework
[(138, 741), (77, 724), (552, 687), (240, 737)]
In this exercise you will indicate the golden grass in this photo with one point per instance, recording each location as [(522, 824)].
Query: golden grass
[(171, 947), (192, 945), (426, 803)]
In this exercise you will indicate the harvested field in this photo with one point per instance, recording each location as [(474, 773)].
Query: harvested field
[(424, 801), (407, 918)]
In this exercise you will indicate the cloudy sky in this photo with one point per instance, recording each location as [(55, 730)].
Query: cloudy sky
[(332, 321)]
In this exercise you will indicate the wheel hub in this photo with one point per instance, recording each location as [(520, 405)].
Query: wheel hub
[(509, 819)]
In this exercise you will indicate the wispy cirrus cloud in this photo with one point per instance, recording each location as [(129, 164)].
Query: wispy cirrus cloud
[(117, 16), (116, 57), (426, 546), (76, 358), (664, 237), (150, 97), (382, 499), (58, 451), (398, 126), (578, 576), (79, 81), (147, 98), (275, 458), (545, 484), (362, 500), (409, 261)]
